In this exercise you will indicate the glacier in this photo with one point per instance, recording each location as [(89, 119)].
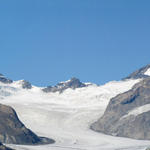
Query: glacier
[(66, 117)]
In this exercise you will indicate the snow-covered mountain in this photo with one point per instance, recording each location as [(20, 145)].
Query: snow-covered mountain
[(128, 113), (66, 111), (143, 72), (73, 83)]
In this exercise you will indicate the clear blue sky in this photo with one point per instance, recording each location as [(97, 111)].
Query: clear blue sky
[(47, 41)]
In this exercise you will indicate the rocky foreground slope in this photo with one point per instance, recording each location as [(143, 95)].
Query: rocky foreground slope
[(128, 114), (13, 131)]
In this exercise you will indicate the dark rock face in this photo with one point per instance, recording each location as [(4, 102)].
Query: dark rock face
[(12, 131), (26, 85), (133, 126), (60, 87), (3, 79), (139, 73)]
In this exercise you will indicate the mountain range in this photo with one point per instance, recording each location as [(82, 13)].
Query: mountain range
[(63, 115)]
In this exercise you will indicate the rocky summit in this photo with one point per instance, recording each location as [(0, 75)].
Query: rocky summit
[(73, 83), (5, 80), (127, 114), (26, 84), (13, 131), (140, 73)]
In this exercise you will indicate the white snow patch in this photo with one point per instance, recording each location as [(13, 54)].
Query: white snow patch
[(138, 110), (147, 72)]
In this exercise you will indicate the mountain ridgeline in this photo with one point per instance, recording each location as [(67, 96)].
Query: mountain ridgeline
[(73, 83), (140, 73), (5, 80), (127, 114)]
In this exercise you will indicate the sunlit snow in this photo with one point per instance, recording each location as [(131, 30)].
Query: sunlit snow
[(67, 117), (147, 72)]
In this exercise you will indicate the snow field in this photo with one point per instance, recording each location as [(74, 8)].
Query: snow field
[(67, 117)]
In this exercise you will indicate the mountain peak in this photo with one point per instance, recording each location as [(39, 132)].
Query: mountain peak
[(143, 72), (5, 80), (25, 84), (73, 83), (72, 79)]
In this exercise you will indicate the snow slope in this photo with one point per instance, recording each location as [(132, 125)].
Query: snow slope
[(67, 117), (147, 72)]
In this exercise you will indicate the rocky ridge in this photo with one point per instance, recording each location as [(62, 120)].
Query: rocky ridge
[(73, 83), (127, 115), (140, 73), (26, 84), (5, 80)]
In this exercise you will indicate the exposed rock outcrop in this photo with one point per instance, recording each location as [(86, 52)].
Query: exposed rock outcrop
[(73, 83), (118, 119), (5, 80), (26, 85), (140, 73), (14, 132)]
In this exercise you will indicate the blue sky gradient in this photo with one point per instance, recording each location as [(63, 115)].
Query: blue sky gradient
[(47, 41)]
